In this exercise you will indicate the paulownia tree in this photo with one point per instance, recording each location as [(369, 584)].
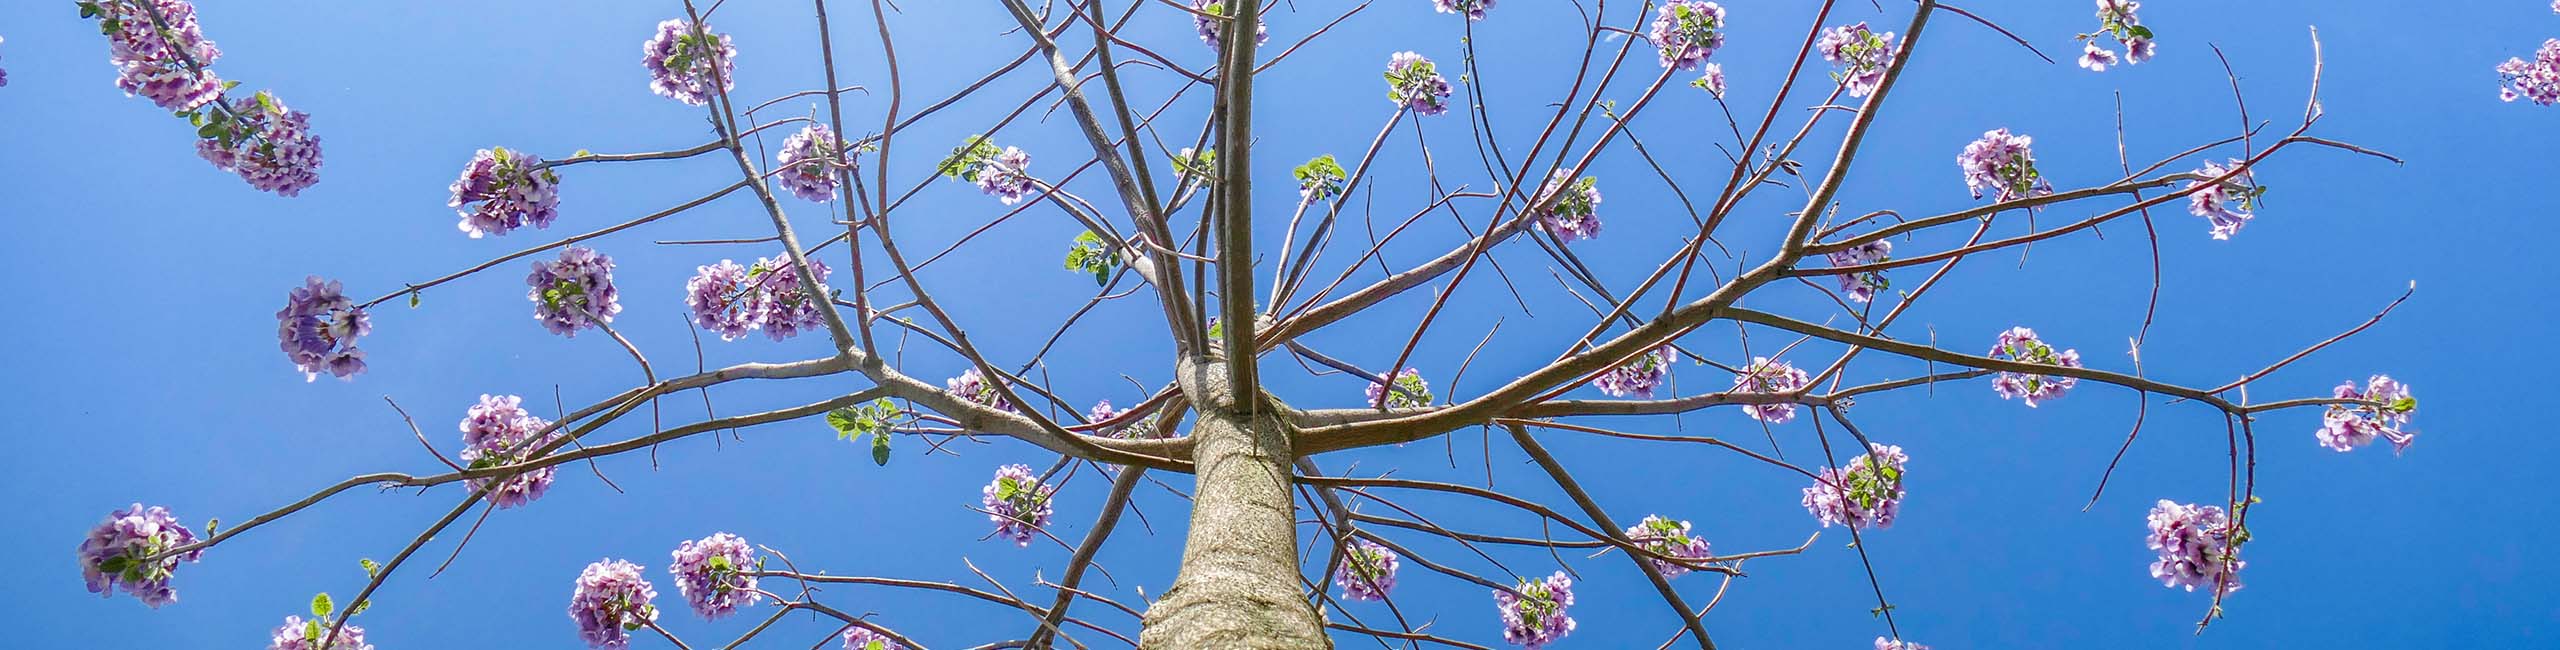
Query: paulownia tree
[(1171, 225)]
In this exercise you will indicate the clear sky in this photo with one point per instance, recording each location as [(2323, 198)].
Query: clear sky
[(142, 363)]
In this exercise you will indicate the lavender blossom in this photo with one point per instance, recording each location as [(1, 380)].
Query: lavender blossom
[(718, 298), (1415, 83), (1569, 208), (574, 293), (1474, 9), (502, 190), (2096, 59), (298, 634), (1211, 27), (1867, 493), (715, 574), (2021, 345), (683, 62), (974, 387), (2384, 411), (1670, 538), (498, 432), (318, 328), (1769, 376), (1017, 503), (611, 602), (862, 638), (1862, 55), (119, 554), (1638, 376), (1411, 392), (267, 144), (1535, 616), (1862, 286), (1712, 81), (2003, 164), (2228, 203), (1368, 571), (1687, 32), (2116, 20), (781, 307), (169, 61), (1890, 644), (2198, 547), (809, 160)]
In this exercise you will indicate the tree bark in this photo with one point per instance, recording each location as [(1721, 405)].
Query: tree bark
[(1239, 584)]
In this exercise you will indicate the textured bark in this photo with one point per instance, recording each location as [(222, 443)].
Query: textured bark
[(1239, 584)]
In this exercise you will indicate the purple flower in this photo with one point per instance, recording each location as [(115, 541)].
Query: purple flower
[(1865, 494), (1535, 616), (1142, 428), (2196, 545), (1368, 571), (1474, 9), (1670, 538), (2384, 412), (2116, 20), (1638, 376), (1687, 31), (2021, 345), (1862, 286), (502, 190), (1210, 27), (2003, 164), (862, 638), (498, 432), (683, 61), (1713, 80), (713, 574), (1415, 83), (1569, 208), (1017, 503), (972, 386), (1768, 376), (267, 144), (123, 551), (719, 301), (1890, 644), (152, 58), (1862, 55), (1009, 177), (611, 602), (298, 634), (574, 293), (781, 307), (809, 160), (2227, 204), (318, 328), (1411, 392), (2537, 80), (2139, 50), (2095, 58)]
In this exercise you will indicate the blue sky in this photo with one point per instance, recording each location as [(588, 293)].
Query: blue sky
[(143, 366)]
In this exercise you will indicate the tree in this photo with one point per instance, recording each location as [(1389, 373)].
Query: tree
[(1253, 455)]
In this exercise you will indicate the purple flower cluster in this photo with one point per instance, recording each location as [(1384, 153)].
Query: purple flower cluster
[(1139, 429), (2116, 20), (574, 293), (1017, 503), (974, 387), (498, 432), (1009, 179), (1411, 392), (1638, 376), (734, 300), (1687, 31), (1861, 53), (318, 328), (1368, 571), (1570, 208), (1210, 27), (1862, 286), (502, 190), (809, 160), (2191, 540), (1890, 644), (1712, 81), (2004, 164), (1415, 83), (713, 574), (1770, 376), (152, 58), (1474, 9), (1670, 538), (683, 62), (2021, 345), (611, 602), (2227, 204), (1535, 616), (1865, 494), (298, 634), (862, 638), (2386, 409), (267, 144), (119, 554)]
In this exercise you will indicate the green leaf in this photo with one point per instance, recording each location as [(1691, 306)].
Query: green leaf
[(321, 607), (212, 525), (880, 449), (115, 564), (311, 632), (847, 421), (2139, 31), (414, 297), (360, 606), (369, 566)]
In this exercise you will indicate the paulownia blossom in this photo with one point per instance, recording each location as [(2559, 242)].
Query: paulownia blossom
[(1639, 376), (1571, 207), (2386, 409), (781, 307), (2192, 543), (2536, 80), (1862, 286), (684, 60), (2003, 165), (611, 602), (2021, 345), (973, 386), (1415, 83), (1769, 376), (1712, 81), (498, 432), (119, 552), (575, 292), (152, 58), (1687, 32), (1890, 644), (318, 328), (1670, 538), (267, 144), (862, 638), (1002, 173), (720, 301), (713, 574), (1474, 9), (809, 160), (299, 634), (1017, 503), (1141, 428), (2116, 20), (1862, 55), (1368, 571), (1866, 493), (1535, 616), (1411, 392), (1210, 26), (2227, 204), (502, 190)]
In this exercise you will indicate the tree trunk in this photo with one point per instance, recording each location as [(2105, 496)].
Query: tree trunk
[(1239, 587)]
